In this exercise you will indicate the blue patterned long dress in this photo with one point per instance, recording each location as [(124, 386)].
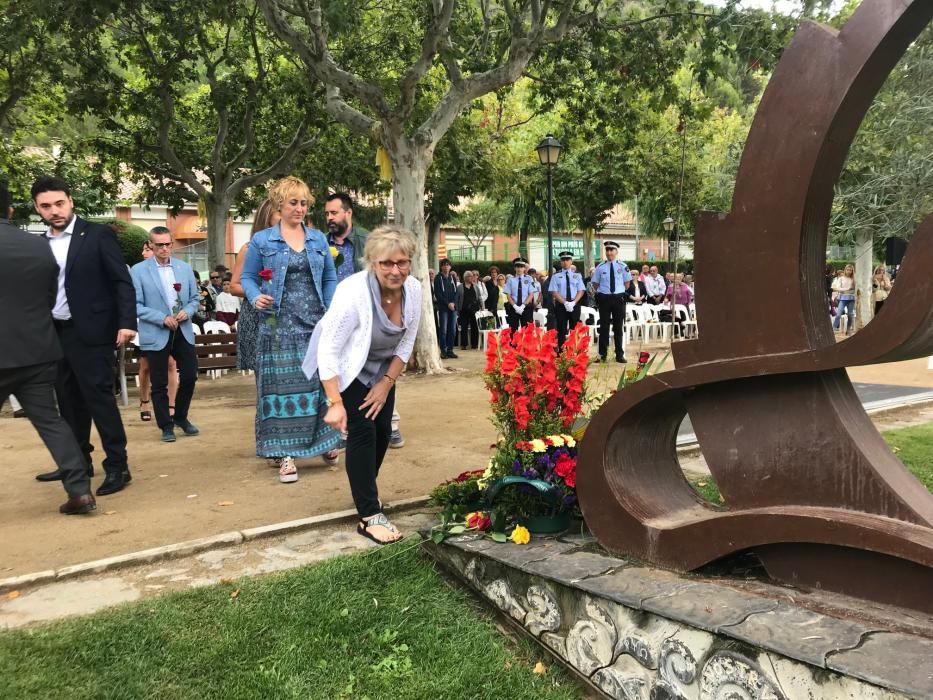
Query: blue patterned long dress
[(247, 328), (289, 408)]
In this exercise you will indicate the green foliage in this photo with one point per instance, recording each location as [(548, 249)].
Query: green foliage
[(886, 186), (130, 237), (93, 181), (462, 492), (382, 624)]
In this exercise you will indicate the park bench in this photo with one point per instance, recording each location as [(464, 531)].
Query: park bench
[(216, 352)]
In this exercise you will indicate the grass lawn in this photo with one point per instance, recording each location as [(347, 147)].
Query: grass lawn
[(914, 447), (381, 625)]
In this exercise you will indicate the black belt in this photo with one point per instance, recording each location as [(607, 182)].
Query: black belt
[(63, 323)]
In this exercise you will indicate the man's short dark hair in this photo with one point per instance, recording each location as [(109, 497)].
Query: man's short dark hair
[(6, 201), (159, 230), (345, 201), (220, 268), (50, 183)]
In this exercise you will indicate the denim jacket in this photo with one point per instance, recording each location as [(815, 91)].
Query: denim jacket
[(268, 249)]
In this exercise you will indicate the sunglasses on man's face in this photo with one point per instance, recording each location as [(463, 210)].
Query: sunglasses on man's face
[(161, 245), (214, 278)]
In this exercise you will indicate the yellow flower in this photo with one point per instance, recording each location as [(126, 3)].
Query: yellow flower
[(556, 440), (538, 445), (334, 252), (483, 481), (570, 442), (520, 535)]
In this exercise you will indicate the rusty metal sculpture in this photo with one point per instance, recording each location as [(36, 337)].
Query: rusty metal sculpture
[(811, 487)]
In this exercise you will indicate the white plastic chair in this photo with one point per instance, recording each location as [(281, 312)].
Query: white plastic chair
[(196, 328), (503, 319), (483, 332), (636, 321), (689, 326), (588, 313), (663, 327), (540, 318), (216, 327)]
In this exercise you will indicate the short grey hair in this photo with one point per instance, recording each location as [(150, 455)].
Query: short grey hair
[(159, 231), (385, 240)]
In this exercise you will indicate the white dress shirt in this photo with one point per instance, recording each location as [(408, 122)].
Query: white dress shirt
[(167, 277), (59, 245), (655, 286)]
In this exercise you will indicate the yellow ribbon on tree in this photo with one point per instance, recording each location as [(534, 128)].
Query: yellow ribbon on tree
[(384, 163)]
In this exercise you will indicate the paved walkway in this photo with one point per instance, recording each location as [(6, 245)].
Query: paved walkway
[(93, 592)]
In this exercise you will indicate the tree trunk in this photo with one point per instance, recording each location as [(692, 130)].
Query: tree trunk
[(218, 208), (864, 262), (409, 167), (588, 234), (434, 238)]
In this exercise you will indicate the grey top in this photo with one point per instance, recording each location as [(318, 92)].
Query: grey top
[(386, 337)]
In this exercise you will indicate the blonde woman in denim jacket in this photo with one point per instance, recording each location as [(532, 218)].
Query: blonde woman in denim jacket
[(290, 408)]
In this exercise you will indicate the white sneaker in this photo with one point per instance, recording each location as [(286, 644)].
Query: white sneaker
[(288, 472)]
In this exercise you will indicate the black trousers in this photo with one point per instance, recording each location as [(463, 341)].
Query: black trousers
[(34, 386), (469, 330), (611, 315), (515, 320), (85, 391), (565, 320), (187, 361), (367, 442)]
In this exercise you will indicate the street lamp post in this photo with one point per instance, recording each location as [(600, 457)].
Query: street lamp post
[(671, 227), (549, 153)]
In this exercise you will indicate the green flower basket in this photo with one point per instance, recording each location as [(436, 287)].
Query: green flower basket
[(553, 522)]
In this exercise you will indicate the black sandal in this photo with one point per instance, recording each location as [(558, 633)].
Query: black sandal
[(379, 519), (144, 413)]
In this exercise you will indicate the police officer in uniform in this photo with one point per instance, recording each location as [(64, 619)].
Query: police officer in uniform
[(520, 294), (568, 289), (610, 280)]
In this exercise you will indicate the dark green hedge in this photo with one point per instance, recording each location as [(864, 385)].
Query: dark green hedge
[(130, 237)]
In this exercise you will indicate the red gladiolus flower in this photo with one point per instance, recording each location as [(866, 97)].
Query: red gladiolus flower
[(265, 274), (643, 358), (177, 286)]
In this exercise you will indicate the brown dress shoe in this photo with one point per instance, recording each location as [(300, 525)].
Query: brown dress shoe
[(78, 505)]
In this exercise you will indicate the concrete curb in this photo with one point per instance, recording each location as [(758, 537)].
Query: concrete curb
[(189, 547)]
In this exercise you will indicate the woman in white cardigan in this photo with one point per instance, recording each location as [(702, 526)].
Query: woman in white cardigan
[(359, 348)]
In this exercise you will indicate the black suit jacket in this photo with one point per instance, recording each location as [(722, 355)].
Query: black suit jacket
[(100, 292), (28, 287)]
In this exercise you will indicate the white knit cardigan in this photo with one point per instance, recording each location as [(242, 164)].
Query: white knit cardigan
[(340, 343)]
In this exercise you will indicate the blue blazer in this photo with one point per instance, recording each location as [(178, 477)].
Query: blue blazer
[(152, 307), (268, 249)]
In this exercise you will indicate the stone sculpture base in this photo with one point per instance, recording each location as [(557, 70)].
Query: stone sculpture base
[(639, 633)]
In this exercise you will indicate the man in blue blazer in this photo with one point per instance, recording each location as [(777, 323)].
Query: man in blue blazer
[(167, 296)]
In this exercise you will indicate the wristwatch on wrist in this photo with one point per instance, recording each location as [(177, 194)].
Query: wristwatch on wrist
[(332, 403)]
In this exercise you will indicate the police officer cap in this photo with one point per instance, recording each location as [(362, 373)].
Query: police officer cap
[(520, 261), (611, 244), (565, 255)]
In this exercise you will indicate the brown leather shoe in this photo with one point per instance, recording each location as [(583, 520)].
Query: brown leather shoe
[(78, 505)]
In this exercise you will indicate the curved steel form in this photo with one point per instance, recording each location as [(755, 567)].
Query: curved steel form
[(811, 486)]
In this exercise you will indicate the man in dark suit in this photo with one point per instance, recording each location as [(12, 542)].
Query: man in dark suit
[(29, 350), (95, 310)]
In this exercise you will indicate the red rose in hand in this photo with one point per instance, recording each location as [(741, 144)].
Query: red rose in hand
[(643, 358), (177, 286), (265, 274)]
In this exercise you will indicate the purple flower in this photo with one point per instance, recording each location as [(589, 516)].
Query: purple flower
[(569, 499)]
